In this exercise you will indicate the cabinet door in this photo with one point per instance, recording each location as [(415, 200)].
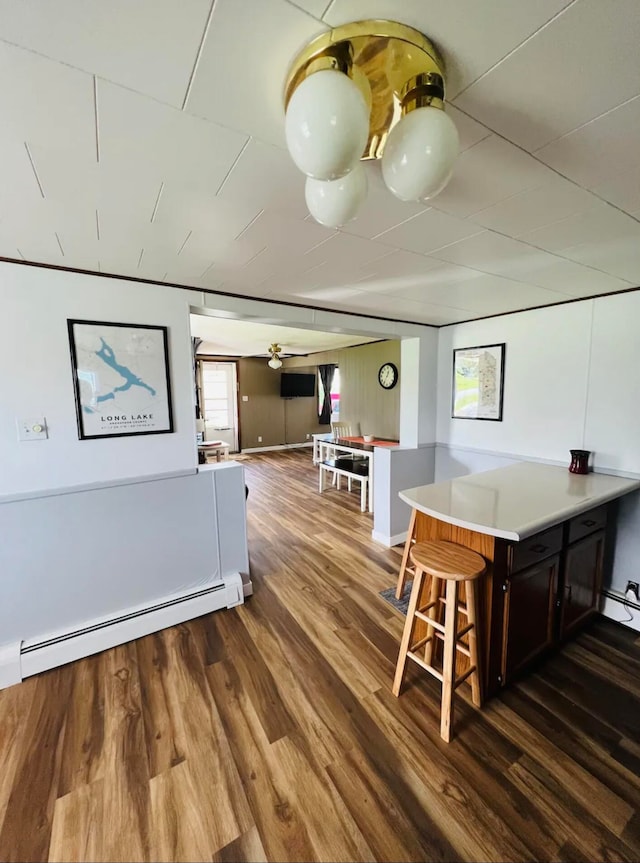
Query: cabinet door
[(582, 579), (528, 615)]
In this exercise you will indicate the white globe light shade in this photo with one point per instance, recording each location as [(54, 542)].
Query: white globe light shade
[(326, 125), (335, 202), (275, 362), (419, 154)]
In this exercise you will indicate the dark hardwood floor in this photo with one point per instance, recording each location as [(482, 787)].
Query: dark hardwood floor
[(269, 732)]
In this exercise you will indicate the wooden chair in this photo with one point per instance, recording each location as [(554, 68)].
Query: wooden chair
[(447, 564), (344, 429)]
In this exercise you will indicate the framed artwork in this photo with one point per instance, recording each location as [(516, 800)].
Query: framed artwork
[(478, 382), (121, 379)]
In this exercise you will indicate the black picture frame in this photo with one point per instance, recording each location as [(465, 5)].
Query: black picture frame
[(482, 365), (121, 379)]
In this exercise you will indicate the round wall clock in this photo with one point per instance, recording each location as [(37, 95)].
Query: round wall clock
[(388, 376)]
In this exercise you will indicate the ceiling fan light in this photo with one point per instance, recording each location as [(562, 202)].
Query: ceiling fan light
[(275, 362), (420, 153), (326, 125), (335, 202)]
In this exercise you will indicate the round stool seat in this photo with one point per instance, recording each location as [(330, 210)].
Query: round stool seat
[(448, 560)]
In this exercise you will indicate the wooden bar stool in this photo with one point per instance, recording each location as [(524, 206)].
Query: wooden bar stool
[(446, 563), (405, 567)]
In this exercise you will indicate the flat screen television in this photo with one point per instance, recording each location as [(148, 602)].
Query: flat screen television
[(292, 386)]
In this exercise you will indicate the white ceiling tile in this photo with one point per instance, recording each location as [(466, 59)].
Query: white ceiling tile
[(470, 131), (566, 277), (623, 189), (619, 256), (285, 235), (428, 231), (345, 251), (270, 33), (485, 294), (471, 36), (535, 208), (606, 146), (397, 265), (150, 45), (381, 210), (180, 210), (487, 251), (161, 141), (46, 103), (565, 75), (596, 225), (489, 172), (265, 177)]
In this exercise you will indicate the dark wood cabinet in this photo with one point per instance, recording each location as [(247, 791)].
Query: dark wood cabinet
[(529, 615), (582, 579), (550, 585)]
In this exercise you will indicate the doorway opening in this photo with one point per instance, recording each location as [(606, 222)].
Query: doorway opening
[(218, 392)]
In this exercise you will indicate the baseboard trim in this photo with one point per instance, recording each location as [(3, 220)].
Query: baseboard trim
[(10, 671), (279, 446), (59, 648), (389, 541), (614, 608)]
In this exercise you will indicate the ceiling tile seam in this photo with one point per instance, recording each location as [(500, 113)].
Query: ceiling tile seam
[(585, 124), (20, 253), (420, 303), (212, 264), (326, 11), (304, 11), (155, 206), (321, 243), (198, 55), (96, 121), (233, 165), (246, 227), (33, 168), (555, 170), (403, 222), (497, 203), (253, 257), (140, 258), (59, 244), (517, 48), (185, 242), (98, 225)]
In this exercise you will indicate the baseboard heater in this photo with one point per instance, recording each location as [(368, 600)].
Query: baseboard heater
[(32, 657)]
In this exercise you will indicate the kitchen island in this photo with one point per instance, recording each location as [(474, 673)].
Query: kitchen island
[(543, 532)]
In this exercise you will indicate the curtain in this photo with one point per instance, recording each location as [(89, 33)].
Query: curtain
[(326, 376), (195, 344)]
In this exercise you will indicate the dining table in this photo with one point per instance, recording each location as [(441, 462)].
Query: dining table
[(327, 446)]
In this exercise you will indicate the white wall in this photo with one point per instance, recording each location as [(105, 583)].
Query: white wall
[(35, 366), (571, 381)]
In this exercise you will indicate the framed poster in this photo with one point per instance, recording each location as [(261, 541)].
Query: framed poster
[(121, 379), (478, 382)]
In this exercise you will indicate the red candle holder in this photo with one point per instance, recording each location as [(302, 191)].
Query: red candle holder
[(579, 460)]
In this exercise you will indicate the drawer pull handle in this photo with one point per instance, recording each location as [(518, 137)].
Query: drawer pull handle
[(539, 548), (589, 522)]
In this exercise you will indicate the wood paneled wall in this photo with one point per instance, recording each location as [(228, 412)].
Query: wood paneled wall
[(285, 421), (362, 399)]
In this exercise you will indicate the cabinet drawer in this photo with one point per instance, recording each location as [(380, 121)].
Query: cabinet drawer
[(588, 522), (530, 551)]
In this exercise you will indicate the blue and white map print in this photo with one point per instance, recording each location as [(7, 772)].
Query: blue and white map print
[(122, 379)]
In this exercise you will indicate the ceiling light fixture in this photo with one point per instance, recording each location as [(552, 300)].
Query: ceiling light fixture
[(368, 90), (275, 362)]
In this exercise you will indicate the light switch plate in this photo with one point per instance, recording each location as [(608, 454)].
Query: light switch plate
[(245, 398), (32, 429)]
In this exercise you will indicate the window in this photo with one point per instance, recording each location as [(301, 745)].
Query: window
[(335, 395)]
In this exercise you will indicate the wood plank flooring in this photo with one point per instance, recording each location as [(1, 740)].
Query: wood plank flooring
[(269, 732)]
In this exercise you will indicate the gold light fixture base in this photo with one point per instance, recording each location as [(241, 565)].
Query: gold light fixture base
[(395, 67)]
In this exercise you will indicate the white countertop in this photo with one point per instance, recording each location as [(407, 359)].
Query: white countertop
[(517, 501)]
